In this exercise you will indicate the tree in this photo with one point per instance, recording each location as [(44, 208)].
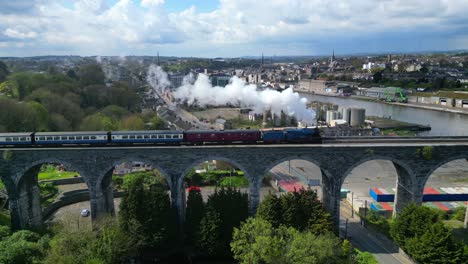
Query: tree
[(412, 222), (96, 122), (436, 245), (210, 242), (271, 210), (307, 248), (91, 74), (225, 209), (257, 241), (22, 247), (147, 216), (193, 216), (133, 122), (3, 71)]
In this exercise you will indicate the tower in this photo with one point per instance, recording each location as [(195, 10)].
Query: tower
[(262, 59), (332, 59), (158, 58)]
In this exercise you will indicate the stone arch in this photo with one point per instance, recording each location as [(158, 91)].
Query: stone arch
[(440, 164), (19, 175), (25, 203), (406, 182), (109, 167), (275, 163), (102, 196), (180, 179)]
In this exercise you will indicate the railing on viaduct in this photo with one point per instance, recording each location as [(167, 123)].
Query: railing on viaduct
[(19, 169)]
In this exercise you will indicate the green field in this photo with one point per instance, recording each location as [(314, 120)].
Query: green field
[(50, 172), (234, 181)]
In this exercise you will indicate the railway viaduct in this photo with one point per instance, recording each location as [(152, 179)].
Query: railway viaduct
[(19, 168)]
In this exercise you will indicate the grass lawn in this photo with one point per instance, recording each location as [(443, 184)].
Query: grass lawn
[(55, 175), (234, 181)]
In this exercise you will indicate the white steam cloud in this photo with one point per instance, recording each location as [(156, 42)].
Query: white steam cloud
[(237, 92), (158, 79)]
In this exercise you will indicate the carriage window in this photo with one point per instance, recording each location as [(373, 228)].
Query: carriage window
[(8, 139), (181, 136), (56, 138), (146, 136), (15, 139), (93, 137), (86, 137), (71, 138), (64, 138), (132, 137), (139, 136), (160, 136), (167, 136), (79, 137), (22, 139), (41, 138), (154, 136), (175, 136), (125, 137)]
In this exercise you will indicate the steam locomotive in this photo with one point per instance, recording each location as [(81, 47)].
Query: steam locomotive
[(162, 137)]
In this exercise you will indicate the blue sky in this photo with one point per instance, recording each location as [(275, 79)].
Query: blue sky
[(230, 28)]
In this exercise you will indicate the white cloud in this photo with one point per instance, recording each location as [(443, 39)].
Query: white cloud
[(151, 3), (95, 26), (13, 33)]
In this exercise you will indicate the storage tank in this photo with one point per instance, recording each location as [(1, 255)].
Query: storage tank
[(358, 115), (346, 115), (331, 115)]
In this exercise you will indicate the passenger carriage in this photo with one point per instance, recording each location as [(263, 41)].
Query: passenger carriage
[(150, 136)]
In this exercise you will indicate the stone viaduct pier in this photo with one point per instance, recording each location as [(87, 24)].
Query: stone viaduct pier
[(19, 168)]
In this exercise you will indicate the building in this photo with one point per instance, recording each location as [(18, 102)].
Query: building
[(222, 124), (220, 79)]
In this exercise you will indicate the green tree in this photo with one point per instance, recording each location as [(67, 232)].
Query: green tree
[(257, 241), (307, 248), (193, 216), (3, 71), (133, 122), (9, 88), (146, 214), (210, 242), (226, 208), (22, 247), (91, 74), (412, 222), (271, 210), (96, 122), (436, 245)]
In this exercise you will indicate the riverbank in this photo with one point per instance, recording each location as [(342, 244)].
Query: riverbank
[(409, 104)]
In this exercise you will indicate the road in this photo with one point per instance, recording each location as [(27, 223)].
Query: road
[(383, 249)]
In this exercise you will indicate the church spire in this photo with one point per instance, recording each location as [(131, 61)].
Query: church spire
[(332, 59)]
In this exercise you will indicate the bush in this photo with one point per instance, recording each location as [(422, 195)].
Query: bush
[(459, 214)]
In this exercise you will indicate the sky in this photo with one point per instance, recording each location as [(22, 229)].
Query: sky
[(230, 28)]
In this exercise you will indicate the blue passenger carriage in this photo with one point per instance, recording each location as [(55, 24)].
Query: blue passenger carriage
[(150, 136), (15, 138), (59, 138)]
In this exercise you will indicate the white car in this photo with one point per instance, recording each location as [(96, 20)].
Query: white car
[(85, 213)]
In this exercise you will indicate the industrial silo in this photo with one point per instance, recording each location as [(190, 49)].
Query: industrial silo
[(346, 115), (358, 116)]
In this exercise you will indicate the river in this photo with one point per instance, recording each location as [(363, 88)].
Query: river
[(441, 123)]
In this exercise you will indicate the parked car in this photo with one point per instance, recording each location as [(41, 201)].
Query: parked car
[(85, 213)]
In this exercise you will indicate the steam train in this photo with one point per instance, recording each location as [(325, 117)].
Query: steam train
[(162, 137)]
